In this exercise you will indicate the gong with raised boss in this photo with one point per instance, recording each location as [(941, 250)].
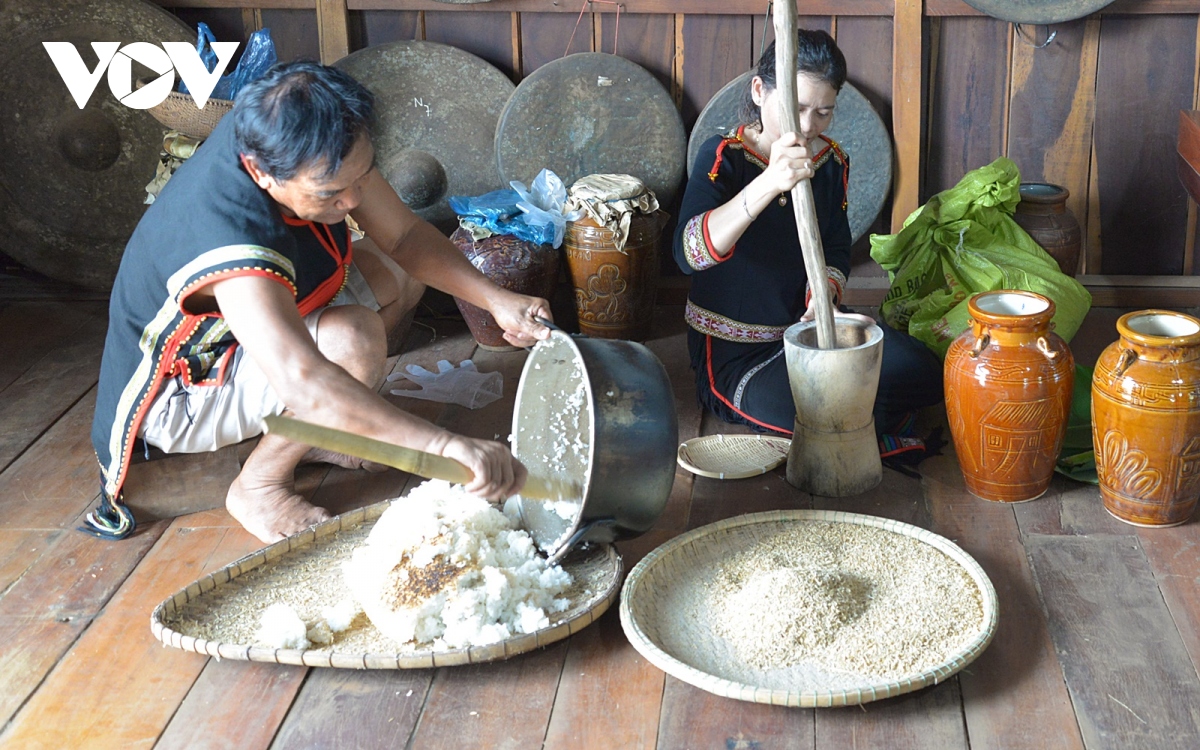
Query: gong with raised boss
[(72, 181), (436, 112)]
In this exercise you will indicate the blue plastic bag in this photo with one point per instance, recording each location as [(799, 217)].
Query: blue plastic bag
[(534, 214), (543, 203), (258, 56), (498, 206)]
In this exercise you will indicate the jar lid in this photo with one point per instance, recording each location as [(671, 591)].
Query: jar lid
[(607, 187), (610, 201)]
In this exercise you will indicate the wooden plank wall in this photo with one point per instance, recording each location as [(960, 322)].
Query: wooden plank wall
[(1093, 110)]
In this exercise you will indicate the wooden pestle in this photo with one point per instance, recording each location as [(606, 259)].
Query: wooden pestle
[(802, 195), (406, 459)]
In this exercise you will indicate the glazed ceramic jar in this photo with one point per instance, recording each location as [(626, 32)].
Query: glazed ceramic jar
[(614, 289), (1008, 393), (1146, 418), (513, 263), (1043, 213)]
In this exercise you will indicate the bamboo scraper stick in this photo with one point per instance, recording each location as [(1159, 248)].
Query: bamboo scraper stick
[(406, 459)]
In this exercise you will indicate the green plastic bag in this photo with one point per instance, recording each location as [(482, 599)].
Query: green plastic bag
[(964, 241), (1077, 460)]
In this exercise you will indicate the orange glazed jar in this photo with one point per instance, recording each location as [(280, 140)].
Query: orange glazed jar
[(1146, 418), (1008, 393), (614, 289)]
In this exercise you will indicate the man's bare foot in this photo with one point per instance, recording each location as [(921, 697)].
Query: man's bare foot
[(322, 456), (271, 512)]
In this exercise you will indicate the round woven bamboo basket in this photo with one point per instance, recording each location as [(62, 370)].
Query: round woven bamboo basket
[(663, 602), (179, 112), (600, 564), (733, 456)]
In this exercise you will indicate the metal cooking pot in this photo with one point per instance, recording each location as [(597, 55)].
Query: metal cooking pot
[(601, 413)]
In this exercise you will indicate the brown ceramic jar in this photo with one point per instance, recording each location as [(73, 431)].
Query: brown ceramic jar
[(614, 289), (1043, 213), (1008, 393), (1146, 418), (514, 264)]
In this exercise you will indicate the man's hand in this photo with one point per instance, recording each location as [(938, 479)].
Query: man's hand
[(518, 315), (429, 257), (498, 474)]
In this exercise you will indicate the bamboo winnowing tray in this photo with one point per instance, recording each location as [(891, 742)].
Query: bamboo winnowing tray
[(214, 614)]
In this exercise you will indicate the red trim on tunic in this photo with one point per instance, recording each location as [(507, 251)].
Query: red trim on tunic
[(329, 288), (816, 159), (712, 385), (708, 244)]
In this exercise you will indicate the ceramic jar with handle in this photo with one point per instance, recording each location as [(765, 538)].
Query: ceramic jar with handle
[(1146, 418), (1008, 393), (614, 288), (1043, 213)]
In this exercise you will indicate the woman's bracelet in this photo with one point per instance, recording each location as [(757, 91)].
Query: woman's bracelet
[(746, 208)]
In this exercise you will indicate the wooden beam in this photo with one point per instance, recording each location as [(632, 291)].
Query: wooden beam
[(677, 64), (1142, 291), (1093, 251), (1052, 110), (934, 8), (1189, 248), (1153, 7), (702, 7), (333, 30), (1120, 7), (258, 4), (907, 54), (1106, 291), (1139, 282), (251, 20), (950, 8)]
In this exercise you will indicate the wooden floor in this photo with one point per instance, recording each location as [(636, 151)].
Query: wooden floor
[(1097, 646)]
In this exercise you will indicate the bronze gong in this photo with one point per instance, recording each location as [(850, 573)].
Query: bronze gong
[(1038, 11), (72, 181), (856, 127), (436, 111), (591, 113)]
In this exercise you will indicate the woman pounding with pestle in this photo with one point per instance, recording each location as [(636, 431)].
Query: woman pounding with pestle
[(737, 238)]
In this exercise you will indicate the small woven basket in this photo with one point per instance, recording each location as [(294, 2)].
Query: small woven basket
[(733, 456), (179, 112)]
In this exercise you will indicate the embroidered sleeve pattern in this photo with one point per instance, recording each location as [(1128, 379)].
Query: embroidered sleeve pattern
[(697, 247), (232, 260), (837, 286)]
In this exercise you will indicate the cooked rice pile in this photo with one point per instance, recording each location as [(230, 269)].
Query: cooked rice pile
[(557, 446), (446, 568), (282, 627), (305, 580), (854, 599), (567, 430)]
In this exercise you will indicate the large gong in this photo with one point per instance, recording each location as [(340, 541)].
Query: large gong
[(72, 181), (856, 127), (1038, 11), (436, 113), (591, 113)]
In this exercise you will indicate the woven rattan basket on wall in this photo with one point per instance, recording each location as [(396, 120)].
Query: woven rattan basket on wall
[(179, 112)]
